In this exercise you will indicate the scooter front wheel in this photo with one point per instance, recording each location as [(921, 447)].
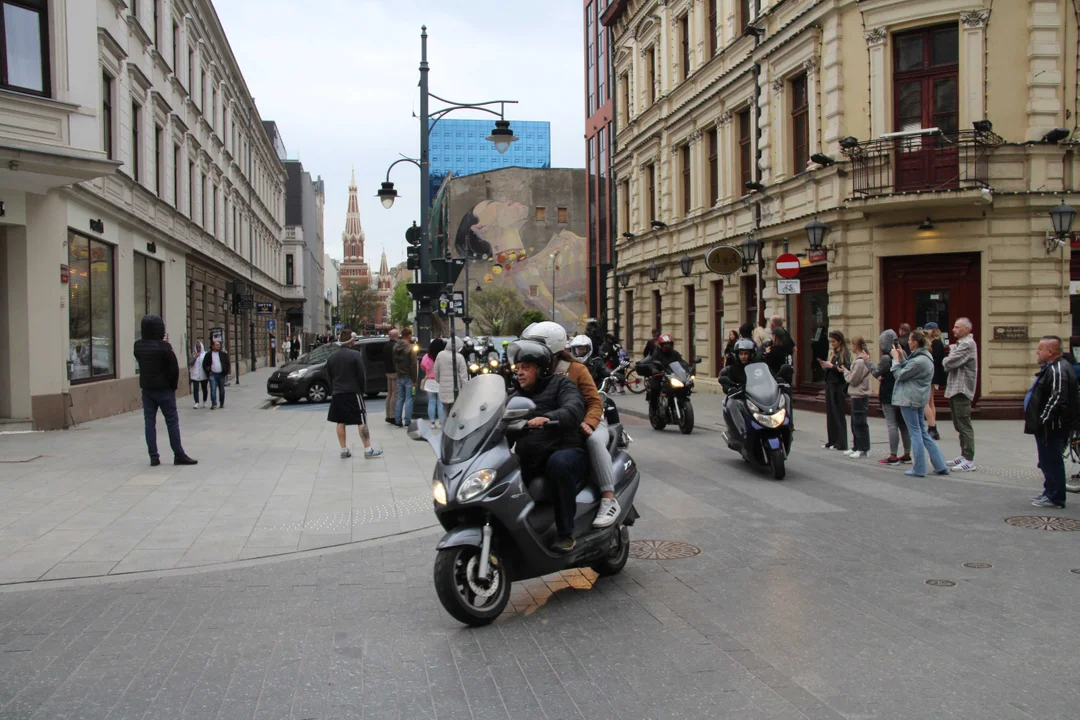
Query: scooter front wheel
[(465, 596), (776, 460)]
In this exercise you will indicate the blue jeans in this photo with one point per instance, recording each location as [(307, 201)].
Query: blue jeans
[(166, 400), (403, 411), (561, 473), (435, 409), (217, 385), (921, 442), (1051, 447)]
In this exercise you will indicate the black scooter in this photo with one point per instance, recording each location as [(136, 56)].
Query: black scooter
[(758, 417), (499, 527)]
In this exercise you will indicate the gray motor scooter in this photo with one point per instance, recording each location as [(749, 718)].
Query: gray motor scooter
[(500, 525)]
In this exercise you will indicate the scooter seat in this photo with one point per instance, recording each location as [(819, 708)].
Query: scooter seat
[(537, 487)]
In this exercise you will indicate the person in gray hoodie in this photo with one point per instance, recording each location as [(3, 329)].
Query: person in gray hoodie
[(911, 393), (893, 419), (858, 380)]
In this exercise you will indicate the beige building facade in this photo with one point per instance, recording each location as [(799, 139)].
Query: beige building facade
[(865, 116), (136, 177)]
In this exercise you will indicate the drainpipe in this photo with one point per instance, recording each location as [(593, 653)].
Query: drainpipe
[(757, 178)]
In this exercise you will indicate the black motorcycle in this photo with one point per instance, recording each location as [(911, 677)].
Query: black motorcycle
[(673, 405), (758, 417), (500, 525)]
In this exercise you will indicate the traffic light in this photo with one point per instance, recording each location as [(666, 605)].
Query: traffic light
[(412, 235), (412, 258)]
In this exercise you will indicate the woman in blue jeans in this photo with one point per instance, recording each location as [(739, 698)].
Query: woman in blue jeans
[(911, 392)]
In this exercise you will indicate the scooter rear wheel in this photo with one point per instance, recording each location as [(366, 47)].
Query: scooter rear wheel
[(467, 598), (616, 559)]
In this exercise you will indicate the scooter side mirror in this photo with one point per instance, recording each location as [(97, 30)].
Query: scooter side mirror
[(518, 408)]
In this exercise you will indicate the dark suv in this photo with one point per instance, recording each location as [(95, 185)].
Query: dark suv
[(306, 376)]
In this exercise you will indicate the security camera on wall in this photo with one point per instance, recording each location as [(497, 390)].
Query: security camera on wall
[(985, 197)]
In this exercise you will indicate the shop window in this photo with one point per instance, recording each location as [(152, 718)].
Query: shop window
[(800, 124), (541, 213), (91, 338), (147, 290), (24, 59), (563, 215), (629, 304), (746, 157), (690, 303)]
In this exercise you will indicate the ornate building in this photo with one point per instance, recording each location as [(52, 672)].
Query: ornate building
[(386, 290)]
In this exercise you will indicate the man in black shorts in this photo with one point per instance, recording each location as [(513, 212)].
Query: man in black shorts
[(345, 368)]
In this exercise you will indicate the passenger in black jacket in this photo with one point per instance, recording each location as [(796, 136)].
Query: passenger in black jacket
[(1050, 411), (216, 365), (558, 454), (159, 374)]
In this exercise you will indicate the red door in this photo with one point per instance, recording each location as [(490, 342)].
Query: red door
[(937, 288)]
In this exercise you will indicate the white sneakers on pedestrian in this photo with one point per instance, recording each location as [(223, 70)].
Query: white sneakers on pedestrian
[(964, 466), (608, 514), (372, 453), (346, 453), (196, 406), (957, 461), (857, 454)]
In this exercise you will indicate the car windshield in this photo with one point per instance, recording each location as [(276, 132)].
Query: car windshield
[(761, 387), (316, 356), (478, 409)]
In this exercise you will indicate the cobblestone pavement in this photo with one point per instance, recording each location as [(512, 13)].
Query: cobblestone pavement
[(809, 600)]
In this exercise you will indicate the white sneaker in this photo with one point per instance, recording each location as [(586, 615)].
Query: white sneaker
[(957, 461), (964, 466), (858, 454), (608, 514), (345, 453), (196, 406), (850, 453)]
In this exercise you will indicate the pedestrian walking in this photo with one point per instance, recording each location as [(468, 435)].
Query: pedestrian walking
[(404, 362), (857, 377), (197, 375), (962, 364), (345, 370), (1051, 410), (159, 376), (217, 367), (893, 419), (431, 385), (914, 374), (937, 352), (294, 348), (729, 349), (836, 391), (391, 376), (650, 346)]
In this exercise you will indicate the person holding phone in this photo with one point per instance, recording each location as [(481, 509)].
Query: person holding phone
[(838, 362), (911, 392)]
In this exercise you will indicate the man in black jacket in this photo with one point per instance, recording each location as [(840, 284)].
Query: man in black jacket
[(663, 355), (216, 365), (159, 374), (559, 454), (1050, 410), (348, 378)]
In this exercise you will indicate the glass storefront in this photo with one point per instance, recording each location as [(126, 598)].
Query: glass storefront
[(91, 332)]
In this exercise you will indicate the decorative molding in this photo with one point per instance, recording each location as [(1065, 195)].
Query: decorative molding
[(975, 18), (875, 36), (778, 86), (810, 66), (695, 137), (724, 119)]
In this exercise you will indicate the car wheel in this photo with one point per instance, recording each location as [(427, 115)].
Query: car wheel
[(317, 392)]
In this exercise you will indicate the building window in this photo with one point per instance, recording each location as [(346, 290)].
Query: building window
[(650, 76), (204, 193), (684, 159), (800, 124), (135, 8), (541, 213), (690, 303), (106, 115), (202, 90), (159, 176), (191, 191), (657, 312), (176, 48), (746, 159), (629, 304), (136, 121), (289, 269), (176, 177), (91, 343), (712, 39), (713, 138), (625, 203), (213, 211), (157, 24), (147, 290), (563, 215), (624, 99), (24, 60), (191, 72), (650, 192), (745, 18), (534, 290), (590, 55), (684, 41)]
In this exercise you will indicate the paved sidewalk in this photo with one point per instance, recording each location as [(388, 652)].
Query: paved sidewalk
[(85, 501)]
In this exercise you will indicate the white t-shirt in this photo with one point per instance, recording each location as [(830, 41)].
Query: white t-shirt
[(215, 362)]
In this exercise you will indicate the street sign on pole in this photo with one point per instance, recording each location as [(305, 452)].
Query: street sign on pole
[(271, 324), (788, 287), (247, 302), (452, 304), (787, 266)]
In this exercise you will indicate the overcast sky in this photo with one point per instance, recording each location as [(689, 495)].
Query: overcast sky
[(340, 78)]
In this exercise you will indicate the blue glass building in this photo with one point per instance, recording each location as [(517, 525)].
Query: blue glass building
[(460, 147)]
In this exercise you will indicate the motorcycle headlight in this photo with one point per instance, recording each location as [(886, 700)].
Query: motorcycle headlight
[(438, 491), (693, 378), (475, 484), (677, 383), (298, 373), (513, 368), (485, 371), (771, 421), (474, 367), (493, 363)]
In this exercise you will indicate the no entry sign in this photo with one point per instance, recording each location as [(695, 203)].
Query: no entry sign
[(787, 265)]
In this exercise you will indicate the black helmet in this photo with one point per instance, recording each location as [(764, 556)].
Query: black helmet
[(532, 351)]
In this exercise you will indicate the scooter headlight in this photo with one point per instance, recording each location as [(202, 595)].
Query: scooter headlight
[(475, 484), (438, 491), (771, 421), (493, 363), (677, 383), (473, 367)]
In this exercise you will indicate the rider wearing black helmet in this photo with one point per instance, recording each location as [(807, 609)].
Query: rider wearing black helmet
[(560, 455), (663, 355)]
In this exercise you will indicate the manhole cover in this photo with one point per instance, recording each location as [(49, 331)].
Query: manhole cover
[(941, 583), (1043, 522), (662, 550), (978, 566)]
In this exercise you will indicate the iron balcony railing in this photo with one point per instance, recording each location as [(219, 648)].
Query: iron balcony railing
[(925, 160)]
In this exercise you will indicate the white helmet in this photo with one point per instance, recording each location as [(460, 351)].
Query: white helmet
[(581, 348), (550, 333)]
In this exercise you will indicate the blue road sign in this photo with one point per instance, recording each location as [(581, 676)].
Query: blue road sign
[(270, 324), (339, 326)]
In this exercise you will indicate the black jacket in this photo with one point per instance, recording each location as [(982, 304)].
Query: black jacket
[(556, 398), (781, 348), (345, 369), (597, 369), (937, 351), (663, 359), (208, 362), (1053, 404), (835, 374), (158, 369), (735, 371), (388, 357)]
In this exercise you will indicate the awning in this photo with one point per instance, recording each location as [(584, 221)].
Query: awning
[(39, 171)]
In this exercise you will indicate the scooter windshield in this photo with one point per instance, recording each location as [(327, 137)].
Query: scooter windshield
[(478, 408), (761, 386)]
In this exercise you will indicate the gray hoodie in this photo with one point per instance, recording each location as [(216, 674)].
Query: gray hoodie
[(883, 370)]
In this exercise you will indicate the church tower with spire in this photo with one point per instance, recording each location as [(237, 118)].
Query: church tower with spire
[(353, 268), (386, 289)]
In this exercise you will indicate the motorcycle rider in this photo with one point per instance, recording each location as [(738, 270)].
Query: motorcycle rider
[(558, 455), (553, 335), (735, 373), (661, 359), (581, 348)]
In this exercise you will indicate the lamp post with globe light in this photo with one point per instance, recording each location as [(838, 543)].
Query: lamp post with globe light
[(501, 136)]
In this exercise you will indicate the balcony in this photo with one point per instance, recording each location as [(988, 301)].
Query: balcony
[(927, 160)]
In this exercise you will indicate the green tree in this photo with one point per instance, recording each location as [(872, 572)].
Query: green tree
[(532, 316), (401, 304), (359, 303), (497, 311)]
